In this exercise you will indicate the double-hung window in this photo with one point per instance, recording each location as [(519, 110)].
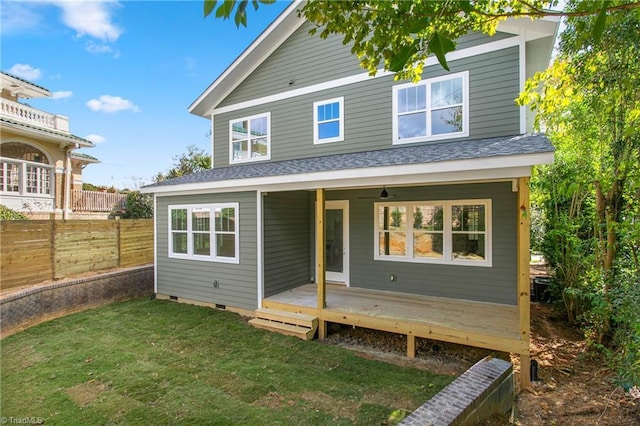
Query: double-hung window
[(328, 121), (456, 232), (434, 109), (250, 138), (204, 232)]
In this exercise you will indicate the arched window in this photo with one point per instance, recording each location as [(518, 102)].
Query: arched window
[(21, 151), (24, 169)]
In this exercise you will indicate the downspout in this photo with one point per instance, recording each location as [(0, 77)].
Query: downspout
[(67, 182)]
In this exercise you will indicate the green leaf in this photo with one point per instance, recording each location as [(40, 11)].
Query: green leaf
[(209, 5), (600, 24), (268, 1), (224, 11), (241, 14), (465, 5), (417, 26), (399, 60), (440, 46), (255, 4)]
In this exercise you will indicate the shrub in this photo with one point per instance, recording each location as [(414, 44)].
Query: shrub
[(7, 214), (138, 206)]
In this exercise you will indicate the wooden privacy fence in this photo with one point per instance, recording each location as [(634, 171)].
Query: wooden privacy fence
[(33, 251)]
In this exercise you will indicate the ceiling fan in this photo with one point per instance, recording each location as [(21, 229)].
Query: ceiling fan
[(384, 195)]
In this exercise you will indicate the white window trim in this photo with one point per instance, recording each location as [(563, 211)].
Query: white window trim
[(249, 160), (316, 136), (212, 257), (427, 83), (22, 178), (447, 233)]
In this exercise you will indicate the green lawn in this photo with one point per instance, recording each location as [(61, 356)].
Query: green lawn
[(161, 362)]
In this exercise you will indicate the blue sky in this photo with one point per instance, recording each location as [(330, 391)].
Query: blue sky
[(125, 73)]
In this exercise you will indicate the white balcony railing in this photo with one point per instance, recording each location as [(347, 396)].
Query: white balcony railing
[(26, 114)]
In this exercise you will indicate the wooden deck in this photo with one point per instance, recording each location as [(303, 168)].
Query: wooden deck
[(486, 325)]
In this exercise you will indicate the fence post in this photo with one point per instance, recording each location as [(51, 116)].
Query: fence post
[(118, 242), (54, 267)]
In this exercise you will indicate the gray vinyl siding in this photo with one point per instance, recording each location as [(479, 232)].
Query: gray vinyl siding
[(493, 86), (193, 279), (308, 60), (304, 59), (286, 241), (487, 284)]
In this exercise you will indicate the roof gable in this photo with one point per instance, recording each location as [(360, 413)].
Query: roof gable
[(288, 22), (254, 55)]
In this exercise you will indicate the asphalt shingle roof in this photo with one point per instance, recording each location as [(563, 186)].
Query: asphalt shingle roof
[(397, 156)]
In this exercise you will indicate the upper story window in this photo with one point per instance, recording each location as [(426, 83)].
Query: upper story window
[(250, 138), (25, 170), (328, 121), (204, 232), (455, 232), (433, 109)]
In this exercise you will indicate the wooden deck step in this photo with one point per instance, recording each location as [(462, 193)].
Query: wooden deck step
[(289, 323)]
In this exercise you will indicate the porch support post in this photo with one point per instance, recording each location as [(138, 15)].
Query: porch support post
[(320, 260), (411, 346), (524, 298)]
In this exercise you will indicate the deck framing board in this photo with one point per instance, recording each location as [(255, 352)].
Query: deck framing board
[(480, 324)]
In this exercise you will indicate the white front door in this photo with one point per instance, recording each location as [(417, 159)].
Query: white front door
[(337, 241)]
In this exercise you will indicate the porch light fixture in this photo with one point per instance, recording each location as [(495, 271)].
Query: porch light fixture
[(384, 194)]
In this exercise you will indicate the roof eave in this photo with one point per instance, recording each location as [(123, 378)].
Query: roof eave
[(23, 88), (50, 136), (467, 170), (272, 37)]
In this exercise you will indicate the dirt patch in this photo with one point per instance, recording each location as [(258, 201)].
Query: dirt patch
[(85, 393), (327, 403), (574, 387)]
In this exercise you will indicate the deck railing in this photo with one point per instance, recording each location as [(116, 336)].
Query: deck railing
[(24, 113), (94, 201)]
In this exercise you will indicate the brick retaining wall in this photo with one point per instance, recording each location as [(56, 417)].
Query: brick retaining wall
[(485, 389), (42, 303)]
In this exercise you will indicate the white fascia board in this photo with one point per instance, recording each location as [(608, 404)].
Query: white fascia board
[(503, 167), (532, 28), (357, 78), (267, 42)]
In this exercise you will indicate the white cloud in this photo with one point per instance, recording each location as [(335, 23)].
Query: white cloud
[(18, 16), (112, 104), (92, 18), (25, 71), (97, 139), (97, 49), (62, 94)]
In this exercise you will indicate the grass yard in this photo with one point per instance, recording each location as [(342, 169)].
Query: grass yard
[(161, 362)]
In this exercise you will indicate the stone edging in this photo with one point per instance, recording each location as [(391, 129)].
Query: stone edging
[(42, 303), (487, 388)]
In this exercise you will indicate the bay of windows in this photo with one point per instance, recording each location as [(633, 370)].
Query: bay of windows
[(455, 232), (25, 170), (204, 232)]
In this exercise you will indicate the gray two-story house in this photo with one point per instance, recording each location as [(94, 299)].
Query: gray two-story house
[(341, 197)]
